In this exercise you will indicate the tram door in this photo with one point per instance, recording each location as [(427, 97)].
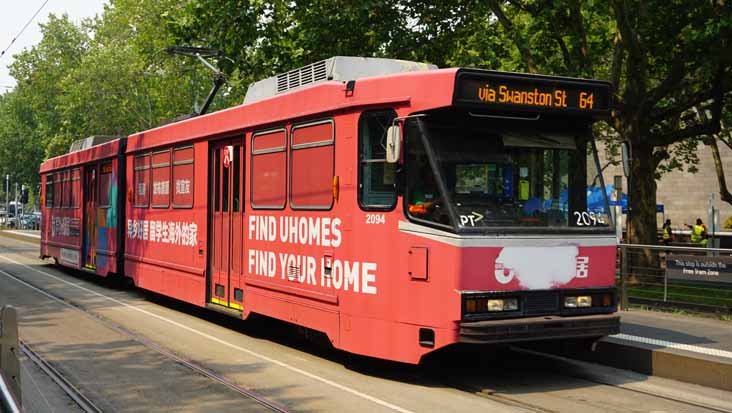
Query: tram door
[(90, 218), (227, 222)]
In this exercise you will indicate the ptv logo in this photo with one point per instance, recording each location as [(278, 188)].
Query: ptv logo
[(505, 275)]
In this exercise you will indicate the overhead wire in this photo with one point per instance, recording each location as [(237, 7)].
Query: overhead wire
[(23, 29)]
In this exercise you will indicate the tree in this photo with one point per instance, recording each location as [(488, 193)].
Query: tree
[(30, 120), (665, 58)]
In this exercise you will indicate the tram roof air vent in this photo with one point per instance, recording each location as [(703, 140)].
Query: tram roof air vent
[(341, 68), (86, 143)]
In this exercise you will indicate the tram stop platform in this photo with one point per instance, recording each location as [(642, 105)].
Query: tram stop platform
[(691, 349)]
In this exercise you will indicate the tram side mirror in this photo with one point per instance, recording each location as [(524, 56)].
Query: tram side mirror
[(393, 143), (625, 150)]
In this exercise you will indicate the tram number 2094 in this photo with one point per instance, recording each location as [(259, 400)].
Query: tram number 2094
[(375, 219), (587, 219)]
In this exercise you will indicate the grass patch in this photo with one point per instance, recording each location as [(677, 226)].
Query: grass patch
[(686, 293)]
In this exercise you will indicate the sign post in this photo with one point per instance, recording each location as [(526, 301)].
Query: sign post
[(7, 198), (10, 348)]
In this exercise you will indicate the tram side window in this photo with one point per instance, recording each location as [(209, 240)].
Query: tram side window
[(377, 184), (48, 197), (67, 189), (312, 165), (58, 186), (49, 191), (269, 169), (183, 177), (142, 181), (161, 179), (75, 188), (105, 185)]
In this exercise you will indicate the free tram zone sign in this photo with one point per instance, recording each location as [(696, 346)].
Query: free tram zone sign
[(699, 268)]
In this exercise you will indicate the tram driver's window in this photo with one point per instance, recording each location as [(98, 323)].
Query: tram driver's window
[(142, 181), (377, 183)]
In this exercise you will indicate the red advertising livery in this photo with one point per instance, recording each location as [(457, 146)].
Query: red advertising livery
[(396, 207)]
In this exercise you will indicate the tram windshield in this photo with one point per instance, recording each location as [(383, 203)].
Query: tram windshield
[(475, 173)]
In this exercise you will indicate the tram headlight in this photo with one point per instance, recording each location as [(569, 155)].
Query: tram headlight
[(578, 301), (491, 305), (584, 301)]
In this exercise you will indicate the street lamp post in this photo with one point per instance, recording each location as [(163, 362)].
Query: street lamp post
[(7, 197)]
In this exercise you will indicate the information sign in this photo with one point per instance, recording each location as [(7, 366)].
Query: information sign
[(532, 92), (699, 268)]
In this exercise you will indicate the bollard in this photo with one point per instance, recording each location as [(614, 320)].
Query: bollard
[(9, 349)]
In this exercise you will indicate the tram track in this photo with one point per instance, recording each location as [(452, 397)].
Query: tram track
[(498, 397), (599, 379), (569, 368), (63, 383), (89, 406), (496, 394)]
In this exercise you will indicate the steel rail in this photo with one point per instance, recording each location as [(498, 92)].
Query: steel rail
[(487, 393), (274, 406), (501, 398), (269, 404), (506, 399), (608, 383), (72, 391)]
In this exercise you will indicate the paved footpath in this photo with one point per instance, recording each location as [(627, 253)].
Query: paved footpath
[(687, 348), (692, 349), (692, 333)]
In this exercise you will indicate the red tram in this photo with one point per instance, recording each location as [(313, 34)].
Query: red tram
[(396, 207)]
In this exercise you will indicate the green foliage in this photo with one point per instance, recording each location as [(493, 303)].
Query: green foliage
[(107, 76), (669, 60), (30, 120)]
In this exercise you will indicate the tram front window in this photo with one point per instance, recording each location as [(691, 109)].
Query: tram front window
[(474, 173)]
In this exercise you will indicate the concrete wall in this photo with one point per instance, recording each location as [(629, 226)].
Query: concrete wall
[(686, 195)]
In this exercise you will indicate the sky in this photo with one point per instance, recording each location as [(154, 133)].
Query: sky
[(15, 13)]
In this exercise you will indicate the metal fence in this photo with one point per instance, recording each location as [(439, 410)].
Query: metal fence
[(676, 277), (9, 363)]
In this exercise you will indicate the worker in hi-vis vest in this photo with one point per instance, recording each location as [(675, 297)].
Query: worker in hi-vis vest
[(698, 233), (523, 185), (668, 234)]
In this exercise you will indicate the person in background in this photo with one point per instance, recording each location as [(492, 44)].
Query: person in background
[(668, 235), (698, 233)]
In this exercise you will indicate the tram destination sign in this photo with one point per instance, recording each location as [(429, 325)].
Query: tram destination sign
[(510, 91), (699, 268)]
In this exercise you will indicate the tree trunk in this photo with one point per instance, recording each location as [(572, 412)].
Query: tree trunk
[(724, 193), (644, 263), (642, 196)]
